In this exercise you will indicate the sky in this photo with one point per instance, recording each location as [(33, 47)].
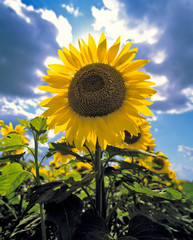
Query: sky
[(31, 32)]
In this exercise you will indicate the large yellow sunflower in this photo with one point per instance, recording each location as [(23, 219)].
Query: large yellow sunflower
[(100, 93), (6, 130), (158, 164)]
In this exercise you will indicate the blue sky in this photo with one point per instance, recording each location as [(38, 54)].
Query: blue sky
[(32, 31)]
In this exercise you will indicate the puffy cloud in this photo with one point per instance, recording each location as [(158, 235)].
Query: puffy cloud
[(74, 11), (183, 172), (113, 19), (187, 151), (26, 108), (28, 37)]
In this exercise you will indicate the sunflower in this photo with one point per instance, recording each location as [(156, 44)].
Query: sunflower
[(141, 141), (99, 93), (60, 157), (81, 167), (151, 145), (6, 130), (157, 164)]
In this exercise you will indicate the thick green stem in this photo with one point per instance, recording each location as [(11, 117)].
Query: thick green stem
[(100, 193), (42, 216)]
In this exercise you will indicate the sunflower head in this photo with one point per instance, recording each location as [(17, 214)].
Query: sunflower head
[(158, 164), (20, 130), (81, 167), (99, 93), (139, 141)]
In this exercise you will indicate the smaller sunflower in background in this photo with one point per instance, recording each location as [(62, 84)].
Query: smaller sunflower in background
[(20, 130), (61, 157), (141, 141), (157, 164), (82, 167), (151, 145)]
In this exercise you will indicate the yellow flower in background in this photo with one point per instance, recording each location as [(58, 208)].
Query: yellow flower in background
[(60, 157), (158, 164), (141, 140), (151, 145), (81, 167), (8, 129), (99, 93)]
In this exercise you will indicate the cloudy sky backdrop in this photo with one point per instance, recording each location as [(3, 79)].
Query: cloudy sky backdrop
[(32, 31)]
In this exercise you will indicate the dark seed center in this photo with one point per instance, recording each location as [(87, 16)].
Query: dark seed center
[(96, 90), (131, 139), (159, 162)]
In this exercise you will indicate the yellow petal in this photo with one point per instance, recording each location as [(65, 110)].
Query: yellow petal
[(93, 48), (136, 76), (112, 52), (56, 79), (76, 53), (144, 110), (135, 65), (124, 50), (84, 54), (69, 58), (102, 48), (125, 59), (50, 89)]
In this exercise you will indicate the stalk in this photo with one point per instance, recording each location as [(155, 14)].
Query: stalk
[(99, 194), (42, 216)]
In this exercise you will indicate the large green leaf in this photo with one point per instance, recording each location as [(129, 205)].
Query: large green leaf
[(11, 177), (113, 151), (92, 227), (55, 191), (28, 226), (143, 228), (66, 215), (39, 125), (11, 142), (169, 194)]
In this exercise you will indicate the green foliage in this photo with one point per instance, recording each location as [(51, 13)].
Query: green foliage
[(11, 142), (36, 125), (167, 194), (137, 204), (11, 177), (187, 188)]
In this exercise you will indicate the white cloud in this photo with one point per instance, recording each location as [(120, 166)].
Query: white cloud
[(74, 11), (159, 80), (187, 151), (159, 57), (28, 107), (158, 97), (188, 92), (52, 60), (182, 172), (64, 36), (114, 20), (17, 6)]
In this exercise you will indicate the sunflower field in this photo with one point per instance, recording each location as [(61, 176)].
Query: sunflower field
[(103, 178)]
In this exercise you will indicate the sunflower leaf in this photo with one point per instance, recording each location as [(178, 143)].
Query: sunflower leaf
[(92, 227), (38, 125), (142, 227), (168, 194), (11, 142), (66, 215), (11, 177), (113, 151)]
